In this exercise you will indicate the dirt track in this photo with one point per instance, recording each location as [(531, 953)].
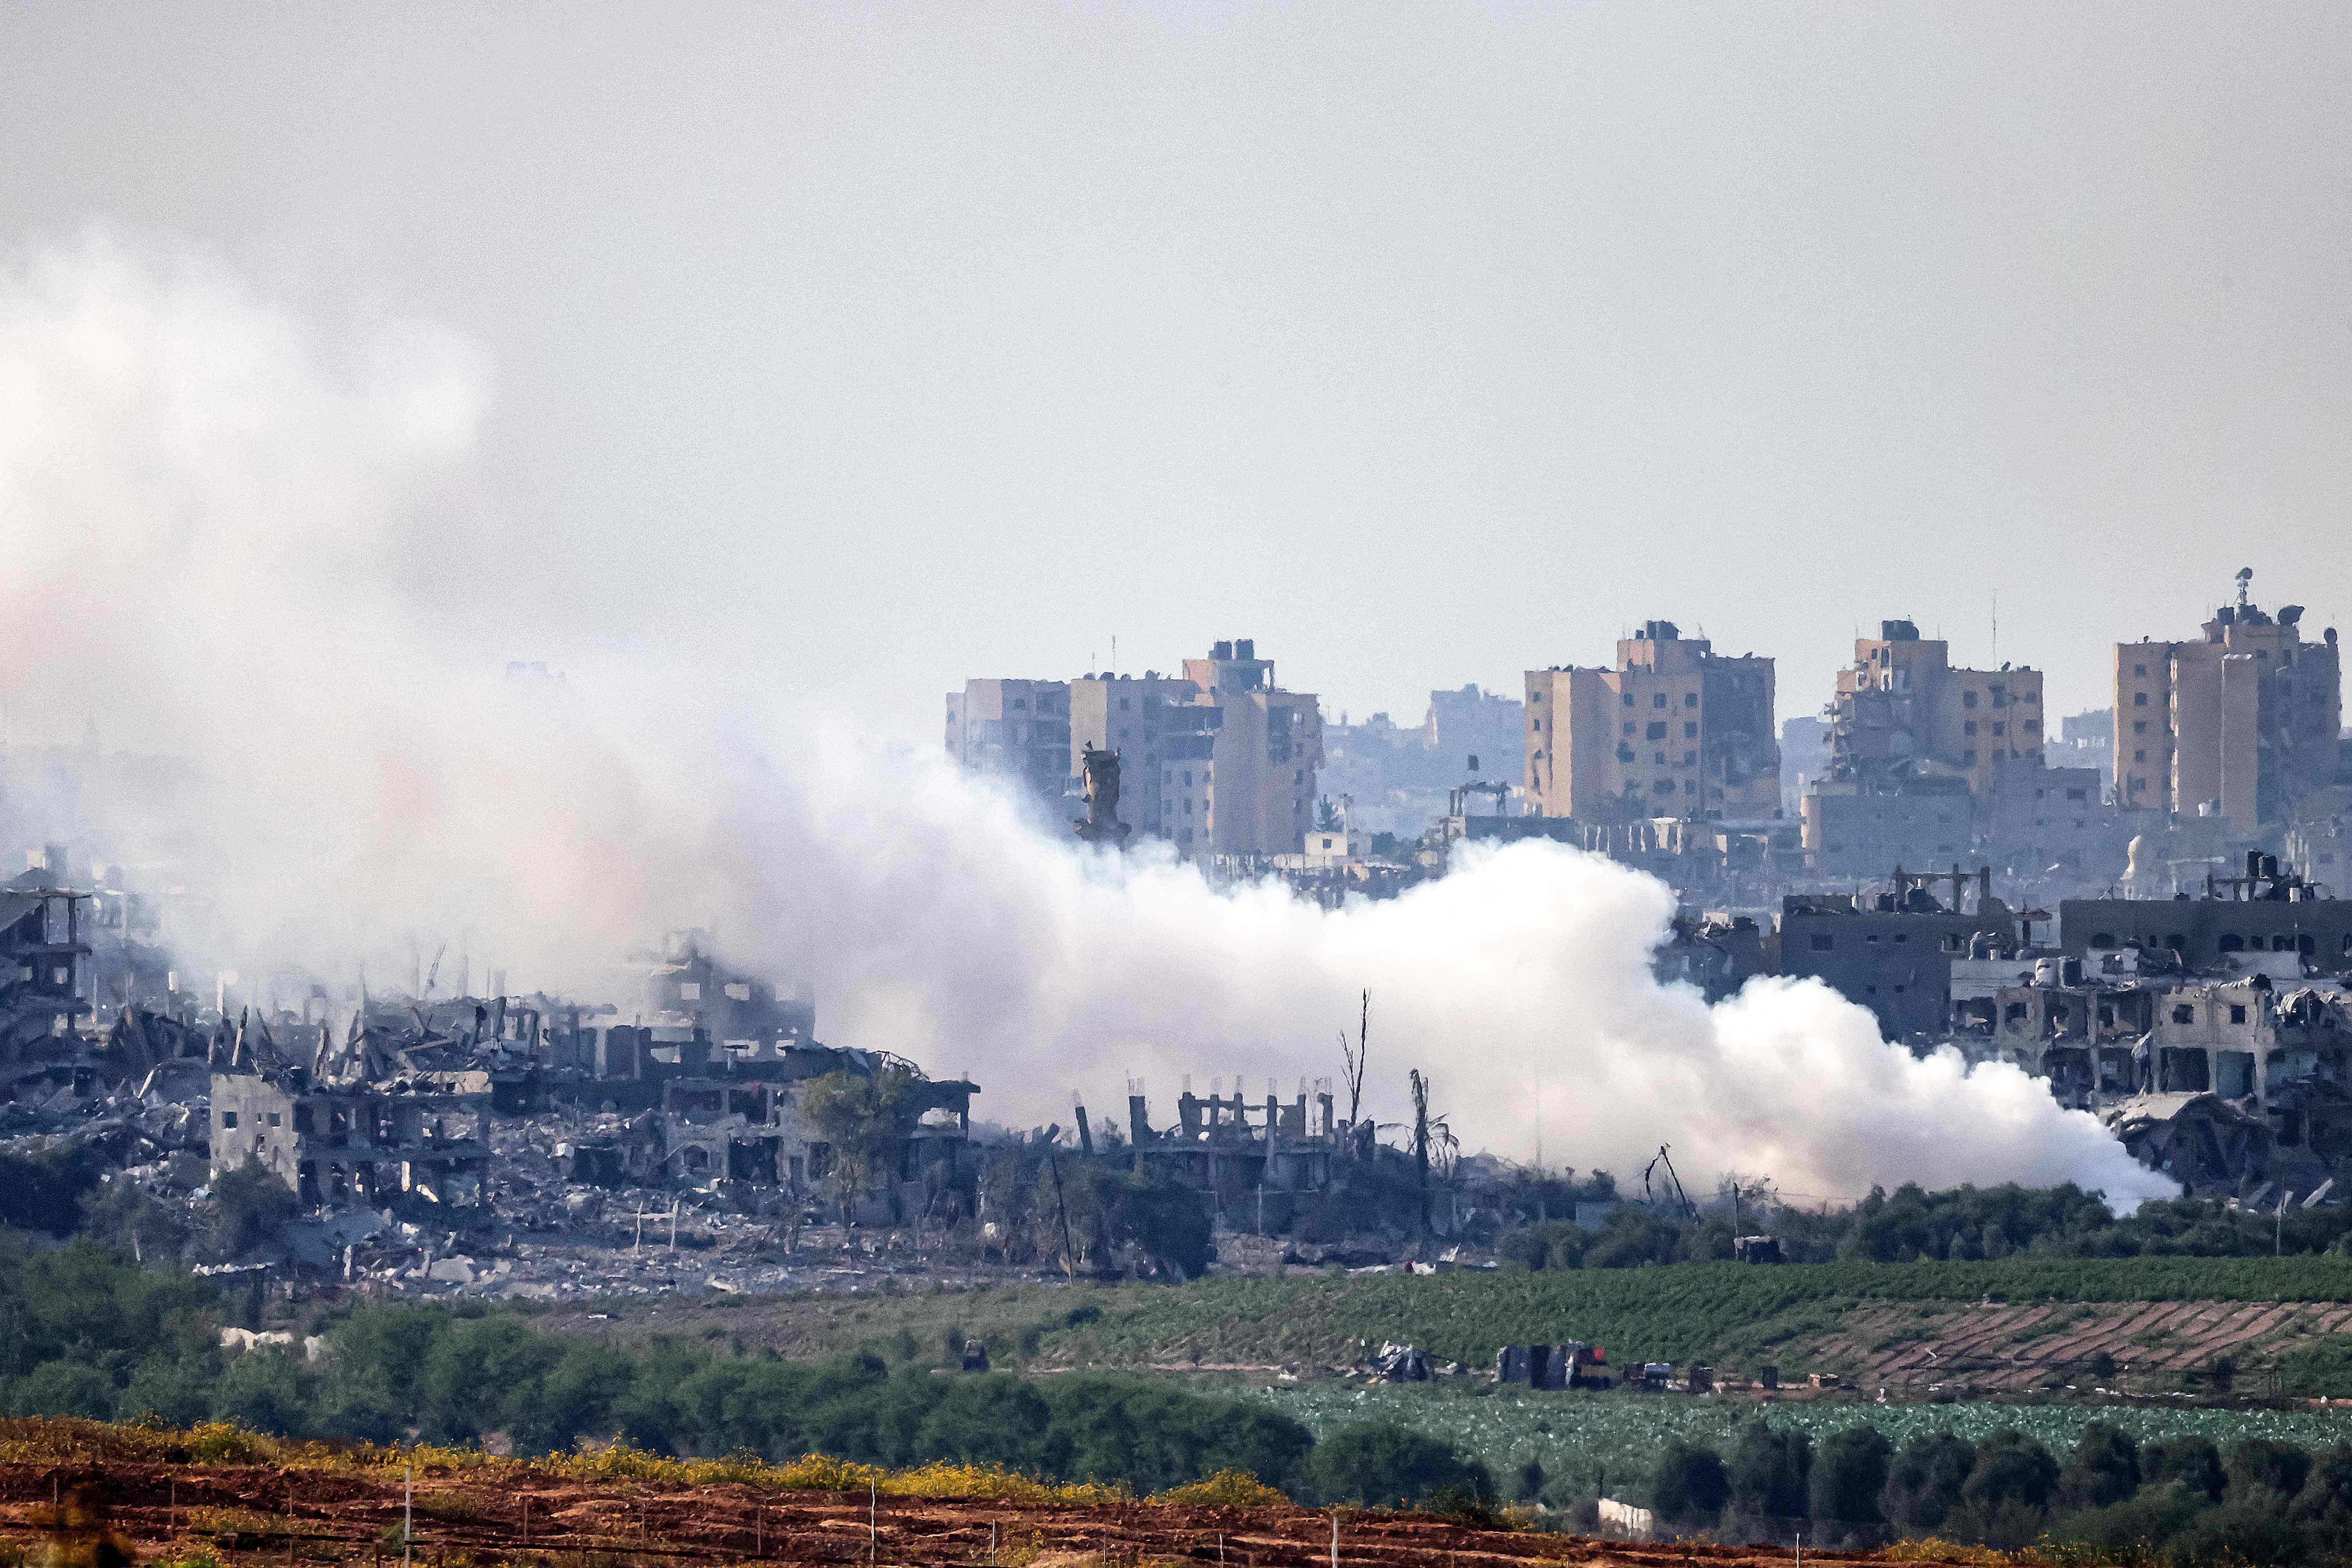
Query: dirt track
[(260, 1515)]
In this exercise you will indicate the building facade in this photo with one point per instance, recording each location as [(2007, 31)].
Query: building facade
[(1267, 744), (1903, 711), (1218, 761), (1013, 729), (1892, 954), (2241, 724), (1675, 730), (1165, 737)]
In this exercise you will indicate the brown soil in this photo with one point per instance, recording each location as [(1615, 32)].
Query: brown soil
[(262, 1515)]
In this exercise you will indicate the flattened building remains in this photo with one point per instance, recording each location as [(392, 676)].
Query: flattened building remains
[(408, 1123)]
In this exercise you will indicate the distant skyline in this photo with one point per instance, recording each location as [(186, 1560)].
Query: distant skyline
[(860, 352)]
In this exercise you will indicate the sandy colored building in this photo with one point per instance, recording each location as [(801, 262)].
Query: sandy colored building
[(1675, 730), (2241, 724), (1218, 761), (1165, 742), (1904, 710), (1267, 744), (1015, 729)]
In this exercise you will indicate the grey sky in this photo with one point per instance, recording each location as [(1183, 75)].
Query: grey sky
[(868, 350)]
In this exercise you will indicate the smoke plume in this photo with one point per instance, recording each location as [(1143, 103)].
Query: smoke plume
[(224, 540)]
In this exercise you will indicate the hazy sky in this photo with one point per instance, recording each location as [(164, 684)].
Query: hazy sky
[(866, 349)]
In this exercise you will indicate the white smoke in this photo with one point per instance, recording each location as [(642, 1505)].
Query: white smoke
[(223, 548)]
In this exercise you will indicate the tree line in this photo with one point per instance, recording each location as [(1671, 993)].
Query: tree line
[(2181, 1500), (84, 1332), (1911, 1223)]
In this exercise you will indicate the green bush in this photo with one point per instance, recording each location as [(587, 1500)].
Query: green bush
[(1768, 1472), (250, 1208), (1924, 1483), (2103, 1468), (2134, 1528), (1688, 1485), (2193, 1462), (45, 1191), (63, 1388), (1849, 1473), (2263, 1471), (1380, 1464)]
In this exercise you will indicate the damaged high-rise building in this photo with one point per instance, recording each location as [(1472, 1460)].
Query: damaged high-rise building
[(1218, 761), (2242, 723)]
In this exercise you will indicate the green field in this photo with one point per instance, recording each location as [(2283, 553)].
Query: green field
[(1732, 1315)]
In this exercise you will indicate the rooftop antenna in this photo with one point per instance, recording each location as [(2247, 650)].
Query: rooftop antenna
[(2245, 576), (1996, 626)]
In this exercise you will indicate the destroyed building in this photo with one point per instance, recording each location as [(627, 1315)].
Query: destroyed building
[(2213, 1035), (340, 1143), (1904, 710), (44, 975), (1253, 1162), (1718, 953)]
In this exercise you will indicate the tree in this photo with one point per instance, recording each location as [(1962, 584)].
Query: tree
[(481, 1375), (2131, 1531), (64, 1388), (119, 1214), (1688, 1485), (1923, 1484), (2193, 1462), (2009, 1488), (1168, 1221), (251, 1207), (2263, 1470), (1352, 1059), (1768, 1472), (1849, 1473), (45, 1191), (2323, 1509), (1382, 1464), (2103, 1468), (865, 1121)]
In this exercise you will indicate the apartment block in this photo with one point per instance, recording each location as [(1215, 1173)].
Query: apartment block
[(1675, 730), (1266, 745), (1165, 740), (2241, 724), (1013, 729), (1903, 710), (1219, 760)]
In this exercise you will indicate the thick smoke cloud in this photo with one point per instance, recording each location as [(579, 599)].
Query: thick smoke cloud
[(226, 541)]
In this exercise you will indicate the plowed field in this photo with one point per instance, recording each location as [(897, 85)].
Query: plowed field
[(261, 1515)]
